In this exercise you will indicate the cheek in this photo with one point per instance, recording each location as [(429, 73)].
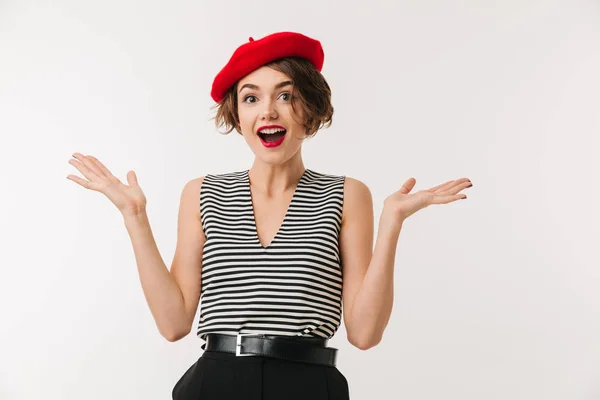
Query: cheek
[(244, 117), (298, 119), (298, 114)]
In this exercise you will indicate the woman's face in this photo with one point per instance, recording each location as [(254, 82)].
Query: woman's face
[(266, 117)]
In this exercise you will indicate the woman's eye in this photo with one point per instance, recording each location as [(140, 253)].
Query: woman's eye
[(286, 96)]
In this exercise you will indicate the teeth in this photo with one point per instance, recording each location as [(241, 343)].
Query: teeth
[(270, 131)]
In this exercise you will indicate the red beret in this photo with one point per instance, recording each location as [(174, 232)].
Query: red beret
[(255, 53)]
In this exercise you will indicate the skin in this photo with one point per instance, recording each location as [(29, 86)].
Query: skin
[(275, 172), (368, 273)]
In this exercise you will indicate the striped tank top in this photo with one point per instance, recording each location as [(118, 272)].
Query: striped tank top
[(291, 287)]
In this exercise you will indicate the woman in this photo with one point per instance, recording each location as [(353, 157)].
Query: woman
[(264, 248)]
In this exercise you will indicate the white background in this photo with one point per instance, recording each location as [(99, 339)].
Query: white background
[(497, 296)]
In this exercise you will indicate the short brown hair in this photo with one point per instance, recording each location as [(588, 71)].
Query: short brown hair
[(310, 88)]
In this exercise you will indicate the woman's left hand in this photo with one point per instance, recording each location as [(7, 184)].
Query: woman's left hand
[(402, 204)]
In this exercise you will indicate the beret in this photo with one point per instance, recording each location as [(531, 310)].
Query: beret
[(255, 53)]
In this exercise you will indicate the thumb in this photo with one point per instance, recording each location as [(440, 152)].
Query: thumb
[(408, 186), (132, 179)]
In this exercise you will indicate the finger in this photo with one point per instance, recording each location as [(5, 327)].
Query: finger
[(455, 189), (100, 166), (89, 174), (80, 181), (433, 189), (88, 164), (450, 185), (132, 179), (408, 186), (447, 199)]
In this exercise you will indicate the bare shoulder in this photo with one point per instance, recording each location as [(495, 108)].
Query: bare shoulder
[(194, 184), (357, 196), (191, 192)]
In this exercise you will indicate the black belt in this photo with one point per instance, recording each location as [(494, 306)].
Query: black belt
[(311, 350)]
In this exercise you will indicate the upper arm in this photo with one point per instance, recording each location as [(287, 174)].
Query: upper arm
[(356, 242), (186, 267)]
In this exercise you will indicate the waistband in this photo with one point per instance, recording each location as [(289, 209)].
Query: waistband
[(311, 350)]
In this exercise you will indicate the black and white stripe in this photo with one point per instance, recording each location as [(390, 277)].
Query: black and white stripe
[(291, 287)]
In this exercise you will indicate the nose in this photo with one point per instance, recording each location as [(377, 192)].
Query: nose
[(269, 111)]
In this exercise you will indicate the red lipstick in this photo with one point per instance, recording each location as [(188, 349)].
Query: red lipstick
[(271, 144)]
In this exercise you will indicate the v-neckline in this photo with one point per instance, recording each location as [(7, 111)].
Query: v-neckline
[(285, 216)]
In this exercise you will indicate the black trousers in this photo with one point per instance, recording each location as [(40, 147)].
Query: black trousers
[(224, 376)]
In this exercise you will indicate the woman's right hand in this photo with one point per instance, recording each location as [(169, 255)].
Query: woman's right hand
[(130, 200)]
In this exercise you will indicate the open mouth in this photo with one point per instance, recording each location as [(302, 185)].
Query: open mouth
[(272, 135)]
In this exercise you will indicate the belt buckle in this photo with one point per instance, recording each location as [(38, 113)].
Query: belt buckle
[(238, 345)]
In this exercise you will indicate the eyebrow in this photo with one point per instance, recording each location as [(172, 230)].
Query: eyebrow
[(279, 85)]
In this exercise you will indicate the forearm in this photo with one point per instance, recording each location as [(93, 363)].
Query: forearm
[(372, 306), (162, 293)]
